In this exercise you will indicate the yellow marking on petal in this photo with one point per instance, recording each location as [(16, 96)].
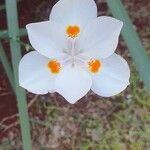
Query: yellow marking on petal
[(94, 65), (73, 31), (54, 66)]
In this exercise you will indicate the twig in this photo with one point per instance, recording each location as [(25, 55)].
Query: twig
[(14, 116), (11, 125)]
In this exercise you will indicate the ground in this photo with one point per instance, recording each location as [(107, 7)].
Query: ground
[(94, 123)]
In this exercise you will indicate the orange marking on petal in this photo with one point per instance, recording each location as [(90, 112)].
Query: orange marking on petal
[(73, 31), (54, 66), (94, 65)]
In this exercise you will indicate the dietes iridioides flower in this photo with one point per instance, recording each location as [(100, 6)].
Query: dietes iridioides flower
[(74, 53)]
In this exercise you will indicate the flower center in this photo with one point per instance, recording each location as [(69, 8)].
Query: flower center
[(94, 65), (73, 31), (74, 56), (54, 66)]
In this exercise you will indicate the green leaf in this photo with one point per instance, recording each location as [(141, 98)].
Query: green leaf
[(132, 40)]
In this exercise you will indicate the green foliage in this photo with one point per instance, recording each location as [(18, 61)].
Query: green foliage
[(13, 31)]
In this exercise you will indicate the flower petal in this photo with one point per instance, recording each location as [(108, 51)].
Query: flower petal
[(113, 77), (34, 74), (100, 37), (74, 12), (73, 83), (47, 38)]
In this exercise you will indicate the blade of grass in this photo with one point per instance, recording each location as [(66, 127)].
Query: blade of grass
[(7, 66), (132, 40), (4, 33), (12, 20)]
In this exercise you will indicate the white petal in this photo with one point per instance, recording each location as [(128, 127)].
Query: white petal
[(47, 38), (113, 77), (74, 12), (101, 36), (34, 74), (73, 83)]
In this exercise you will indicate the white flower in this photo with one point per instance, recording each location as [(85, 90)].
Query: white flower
[(74, 53)]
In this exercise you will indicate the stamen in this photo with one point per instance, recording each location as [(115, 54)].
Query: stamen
[(54, 66), (94, 65), (73, 31)]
